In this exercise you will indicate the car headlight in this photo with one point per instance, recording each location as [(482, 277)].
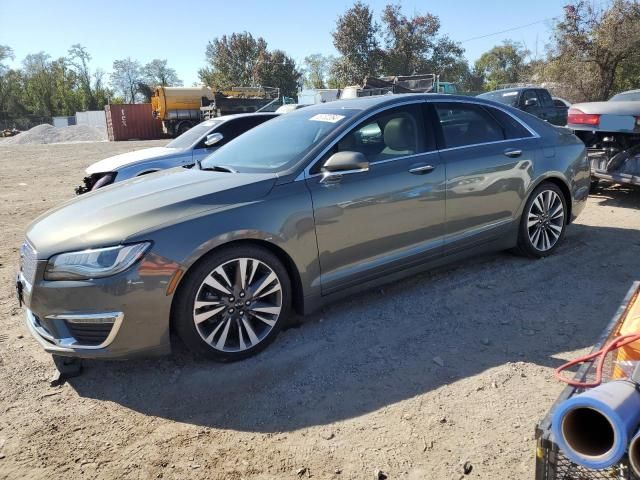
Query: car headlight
[(94, 263)]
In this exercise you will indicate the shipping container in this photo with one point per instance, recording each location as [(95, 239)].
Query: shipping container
[(60, 122), (132, 122), (93, 118)]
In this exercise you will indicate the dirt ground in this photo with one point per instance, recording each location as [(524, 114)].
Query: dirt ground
[(353, 390)]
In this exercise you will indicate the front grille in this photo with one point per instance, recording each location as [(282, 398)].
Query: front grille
[(28, 262), (89, 334)]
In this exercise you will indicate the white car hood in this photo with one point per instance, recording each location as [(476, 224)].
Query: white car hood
[(124, 159)]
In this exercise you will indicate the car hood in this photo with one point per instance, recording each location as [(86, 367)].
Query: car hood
[(112, 214), (112, 164), (609, 108)]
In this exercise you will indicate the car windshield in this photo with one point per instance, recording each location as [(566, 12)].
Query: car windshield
[(279, 143), (626, 97), (192, 135), (507, 98)]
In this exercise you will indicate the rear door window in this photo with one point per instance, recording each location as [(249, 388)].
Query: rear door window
[(467, 124), (512, 128)]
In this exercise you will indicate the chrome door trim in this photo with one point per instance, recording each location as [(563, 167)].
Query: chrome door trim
[(449, 149)]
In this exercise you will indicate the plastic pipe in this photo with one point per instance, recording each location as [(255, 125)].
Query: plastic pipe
[(594, 428)]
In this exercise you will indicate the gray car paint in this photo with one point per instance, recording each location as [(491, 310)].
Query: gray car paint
[(334, 240)]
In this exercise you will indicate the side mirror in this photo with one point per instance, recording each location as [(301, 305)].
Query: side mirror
[(346, 161), (213, 138), (532, 102), (343, 162)]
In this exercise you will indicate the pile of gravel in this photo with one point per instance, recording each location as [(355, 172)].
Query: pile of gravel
[(49, 134)]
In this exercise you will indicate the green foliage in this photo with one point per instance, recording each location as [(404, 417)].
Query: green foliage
[(356, 39), (400, 45), (594, 50), (243, 61), (126, 77), (502, 64), (158, 73), (317, 71)]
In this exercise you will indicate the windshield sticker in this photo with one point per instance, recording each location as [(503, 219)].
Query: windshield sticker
[(327, 117), (509, 94)]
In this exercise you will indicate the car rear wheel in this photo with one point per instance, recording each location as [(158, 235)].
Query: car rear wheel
[(544, 220), (233, 304)]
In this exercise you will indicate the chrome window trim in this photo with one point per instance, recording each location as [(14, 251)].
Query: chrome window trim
[(484, 143), (305, 174)]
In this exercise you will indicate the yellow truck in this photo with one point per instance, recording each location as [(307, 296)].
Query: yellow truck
[(180, 108)]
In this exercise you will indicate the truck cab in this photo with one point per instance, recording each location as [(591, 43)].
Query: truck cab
[(534, 100)]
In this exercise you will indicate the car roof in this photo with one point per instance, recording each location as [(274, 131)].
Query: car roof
[(365, 103), (506, 90), (629, 91)]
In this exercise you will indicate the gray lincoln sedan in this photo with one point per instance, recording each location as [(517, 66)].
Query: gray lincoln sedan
[(297, 212)]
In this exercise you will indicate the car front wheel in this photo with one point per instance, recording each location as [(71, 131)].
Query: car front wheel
[(543, 222), (233, 304)]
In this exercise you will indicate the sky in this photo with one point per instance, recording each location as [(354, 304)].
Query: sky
[(179, 31)]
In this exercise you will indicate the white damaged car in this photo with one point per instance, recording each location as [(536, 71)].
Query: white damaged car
[(611, 132), (187, 149)]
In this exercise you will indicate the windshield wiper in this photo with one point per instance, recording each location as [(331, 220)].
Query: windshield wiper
[(216, 168)]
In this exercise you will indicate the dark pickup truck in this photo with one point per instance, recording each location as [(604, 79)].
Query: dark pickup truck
[(533, 100)]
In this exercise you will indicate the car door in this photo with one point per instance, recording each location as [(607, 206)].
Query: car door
[(369, 223), (229, 129), (489, 157)]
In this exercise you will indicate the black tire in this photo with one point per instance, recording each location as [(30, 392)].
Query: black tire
[(595, 183), (184, 312), (525, 244)]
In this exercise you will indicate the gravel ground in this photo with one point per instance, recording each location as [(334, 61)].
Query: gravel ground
[(353, 390)]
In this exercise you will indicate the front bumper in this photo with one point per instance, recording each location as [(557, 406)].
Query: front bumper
[(123, 316)]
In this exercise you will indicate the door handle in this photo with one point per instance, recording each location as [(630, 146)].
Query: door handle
[(513, 153), (422, 169)]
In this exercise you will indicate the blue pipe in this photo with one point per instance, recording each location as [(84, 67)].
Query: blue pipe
[(593, 428)]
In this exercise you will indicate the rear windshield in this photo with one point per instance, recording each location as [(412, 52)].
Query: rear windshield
[(279, 143), (506, 98), (626, 97)]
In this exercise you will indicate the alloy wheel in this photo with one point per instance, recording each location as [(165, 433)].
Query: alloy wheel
[(545, 220), (237, 305)]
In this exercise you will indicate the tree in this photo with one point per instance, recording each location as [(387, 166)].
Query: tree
[(276, 69), (317, 70), (409, 42), (79, 59), (233, 61), (356, 38), (125, 77), (243, 61), (592, 46), (157, 72), (502, 64)]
